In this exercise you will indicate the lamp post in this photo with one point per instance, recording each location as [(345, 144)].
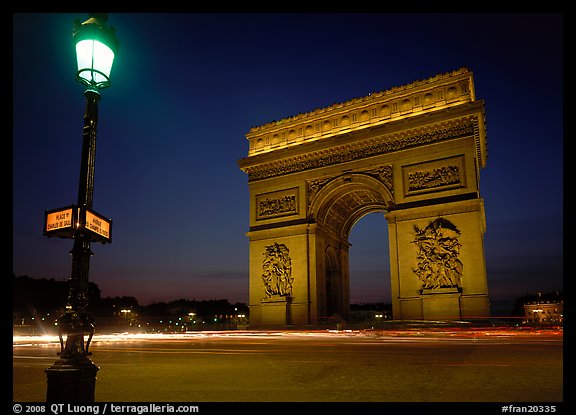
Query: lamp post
[(73, 376)]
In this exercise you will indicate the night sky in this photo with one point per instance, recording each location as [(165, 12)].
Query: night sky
[(186, 88)]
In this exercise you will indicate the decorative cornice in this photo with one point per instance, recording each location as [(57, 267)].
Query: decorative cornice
[(424, 96), (383, 144)]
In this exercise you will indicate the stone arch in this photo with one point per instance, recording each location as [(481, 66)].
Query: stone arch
[(419, 165)]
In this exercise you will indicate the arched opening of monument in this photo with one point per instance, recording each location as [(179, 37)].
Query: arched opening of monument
[(338, 205), (369, 261)]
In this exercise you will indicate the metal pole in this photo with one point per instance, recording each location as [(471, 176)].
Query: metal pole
[(73, 376)]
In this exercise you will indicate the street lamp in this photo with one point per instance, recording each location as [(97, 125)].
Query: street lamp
[(73, 376)]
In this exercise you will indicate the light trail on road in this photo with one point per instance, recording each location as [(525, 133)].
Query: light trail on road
[(420, 364), (367, 336)]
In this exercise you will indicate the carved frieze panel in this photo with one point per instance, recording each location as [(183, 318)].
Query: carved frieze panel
[(433, 176), (437, 256), (369, 148), (276, 204), (277, 271)]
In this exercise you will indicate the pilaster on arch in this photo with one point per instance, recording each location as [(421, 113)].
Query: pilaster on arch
[(332, 261), (343, 200)]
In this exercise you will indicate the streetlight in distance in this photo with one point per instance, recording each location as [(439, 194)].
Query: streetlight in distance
[(73, 376)]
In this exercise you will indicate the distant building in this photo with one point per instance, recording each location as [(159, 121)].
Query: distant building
[(548, 309), (370, 314)]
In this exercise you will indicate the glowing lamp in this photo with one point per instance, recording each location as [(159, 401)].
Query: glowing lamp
[(96, 45)]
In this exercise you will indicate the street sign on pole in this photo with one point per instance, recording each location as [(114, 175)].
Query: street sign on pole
[(61, 222), (64, 222)]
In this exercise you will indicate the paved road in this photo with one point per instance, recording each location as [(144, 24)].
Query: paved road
[(313, 366)]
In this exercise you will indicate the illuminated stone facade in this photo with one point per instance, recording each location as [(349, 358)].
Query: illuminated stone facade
[(544, 312), (413, 153)]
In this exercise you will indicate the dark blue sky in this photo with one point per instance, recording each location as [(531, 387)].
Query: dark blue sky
[(186, 88)]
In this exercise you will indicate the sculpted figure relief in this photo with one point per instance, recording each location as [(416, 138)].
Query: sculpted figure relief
[(438, 250), (277, 271)]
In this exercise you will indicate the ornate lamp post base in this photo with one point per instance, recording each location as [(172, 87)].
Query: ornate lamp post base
[(71, 380)]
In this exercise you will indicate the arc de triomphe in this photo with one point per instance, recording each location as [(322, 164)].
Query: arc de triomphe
[(413, 152)]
